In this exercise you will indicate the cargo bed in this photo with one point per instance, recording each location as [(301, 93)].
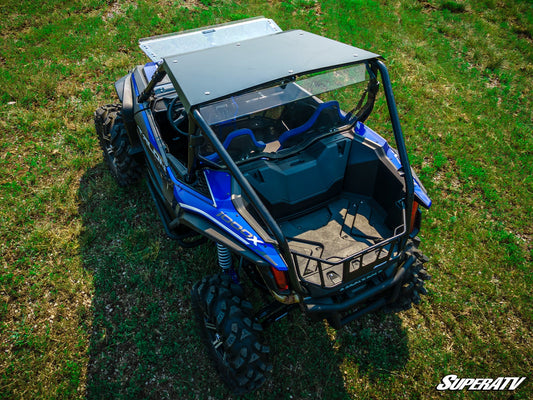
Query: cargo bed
[(346, 226)]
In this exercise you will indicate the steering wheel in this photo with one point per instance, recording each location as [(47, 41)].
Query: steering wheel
[(175, 122)]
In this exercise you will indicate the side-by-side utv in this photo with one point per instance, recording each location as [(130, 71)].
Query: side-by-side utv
[(257, 139)]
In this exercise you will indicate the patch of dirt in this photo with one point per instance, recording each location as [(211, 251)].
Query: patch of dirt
[(493, 82), (427, 7), (113, 11), (192, 4)]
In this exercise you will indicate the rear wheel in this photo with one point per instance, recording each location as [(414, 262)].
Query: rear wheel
[(115, 144), (413, 284), (230, 333)]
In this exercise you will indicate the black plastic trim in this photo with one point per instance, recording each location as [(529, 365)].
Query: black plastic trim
[(119, 87), (126, 97)]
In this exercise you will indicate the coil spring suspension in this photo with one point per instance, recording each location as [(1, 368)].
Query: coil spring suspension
[(224, 257)]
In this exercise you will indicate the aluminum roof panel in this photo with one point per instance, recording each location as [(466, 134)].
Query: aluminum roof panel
[(159, 47), (217, 72)]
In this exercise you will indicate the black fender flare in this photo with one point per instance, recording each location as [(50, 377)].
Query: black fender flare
[(125, 94)]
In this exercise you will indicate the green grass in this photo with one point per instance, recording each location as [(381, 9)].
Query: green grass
[(94, 299)]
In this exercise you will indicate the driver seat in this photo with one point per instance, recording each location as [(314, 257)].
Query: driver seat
[(238, 144)]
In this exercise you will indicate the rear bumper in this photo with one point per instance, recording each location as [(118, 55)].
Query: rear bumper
[(340, 311)]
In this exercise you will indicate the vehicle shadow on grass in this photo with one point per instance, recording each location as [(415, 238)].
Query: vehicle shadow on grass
[(144, 344), (317, 362)]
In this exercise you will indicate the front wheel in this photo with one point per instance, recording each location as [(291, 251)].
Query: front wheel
[(115, 145), (230, 333)]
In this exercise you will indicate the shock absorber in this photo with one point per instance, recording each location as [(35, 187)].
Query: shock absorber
[(224, 257), (226, 262)]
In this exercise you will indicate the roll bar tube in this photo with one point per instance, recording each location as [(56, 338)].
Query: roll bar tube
[(400, 144), (252, 197), (158, 76)]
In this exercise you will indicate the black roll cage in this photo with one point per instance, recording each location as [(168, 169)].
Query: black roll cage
[(195, 140)]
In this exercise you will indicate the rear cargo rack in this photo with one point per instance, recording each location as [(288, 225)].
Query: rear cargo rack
[(335, 271)]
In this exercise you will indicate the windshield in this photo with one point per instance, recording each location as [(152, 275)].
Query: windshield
[(282, 118)]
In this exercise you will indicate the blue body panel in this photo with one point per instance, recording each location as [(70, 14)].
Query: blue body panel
[(220, 209), (221, 212), (364, 131)]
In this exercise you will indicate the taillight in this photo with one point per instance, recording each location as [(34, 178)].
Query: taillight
[(413, 216), (281, 278)]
